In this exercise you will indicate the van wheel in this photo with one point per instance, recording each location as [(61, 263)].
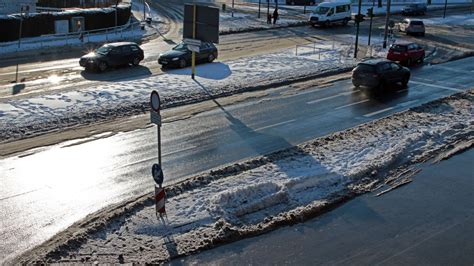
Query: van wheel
[(327, 23), (345, 21)]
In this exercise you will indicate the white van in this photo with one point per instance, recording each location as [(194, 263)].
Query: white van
[(327, 13)]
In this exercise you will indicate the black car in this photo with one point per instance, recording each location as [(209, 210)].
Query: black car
[(180, 55), (379, 73), (112, 55), (415, 9)]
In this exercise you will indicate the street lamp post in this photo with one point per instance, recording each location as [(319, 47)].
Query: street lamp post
[(259, 3), (116, 4), (445, 6), (232, 8)]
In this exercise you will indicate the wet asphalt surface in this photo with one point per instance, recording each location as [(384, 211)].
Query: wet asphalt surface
[(45, 190)]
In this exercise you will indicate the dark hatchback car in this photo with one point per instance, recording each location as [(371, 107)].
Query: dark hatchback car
[(379, 73), (415, 9), (112, 55), (180, 55)]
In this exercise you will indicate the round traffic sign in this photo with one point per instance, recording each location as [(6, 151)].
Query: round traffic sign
[(157, 174), (155, 101)]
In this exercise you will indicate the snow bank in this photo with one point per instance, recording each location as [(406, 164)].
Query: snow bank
[(20, 118), (252, 197)]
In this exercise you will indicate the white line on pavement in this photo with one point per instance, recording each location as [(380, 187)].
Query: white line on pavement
[(351, 104), (436, 86), (331, 97), (379, 111), (178, 151), (274, 125)]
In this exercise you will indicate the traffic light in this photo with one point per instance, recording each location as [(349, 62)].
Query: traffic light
[(359, 18), (370, 12)]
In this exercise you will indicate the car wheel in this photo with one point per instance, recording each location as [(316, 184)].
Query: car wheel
[(103, 66), (409, 62), (182, 63), (423, 34), (136, 61), (405, 81), (383, 85), (210, 58), (422, 59), (292, 3)]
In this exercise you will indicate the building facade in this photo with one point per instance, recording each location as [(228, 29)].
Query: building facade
[(14, 6)]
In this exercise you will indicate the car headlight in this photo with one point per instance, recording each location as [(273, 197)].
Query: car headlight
[(175, 59)]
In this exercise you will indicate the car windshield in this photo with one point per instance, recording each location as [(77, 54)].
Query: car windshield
[(103, 50), (399, 48), (417, 22), (181, 47), (321, 10)]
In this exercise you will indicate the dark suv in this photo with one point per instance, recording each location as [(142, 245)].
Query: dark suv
[(415, 9), (112, 55), (379, 73)]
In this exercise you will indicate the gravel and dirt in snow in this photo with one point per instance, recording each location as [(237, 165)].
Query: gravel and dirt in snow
[(258, 195)]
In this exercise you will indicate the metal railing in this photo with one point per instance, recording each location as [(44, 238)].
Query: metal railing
[(343, 53)]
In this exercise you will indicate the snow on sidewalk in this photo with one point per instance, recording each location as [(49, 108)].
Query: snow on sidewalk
[(252, 197), (24, 117)]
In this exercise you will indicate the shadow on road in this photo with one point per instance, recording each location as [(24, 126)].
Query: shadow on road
[(118, 74), (215, 71), (17, 88)]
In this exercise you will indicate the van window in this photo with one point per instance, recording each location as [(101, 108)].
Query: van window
[(331, 12), (340, 9), (321, 10)]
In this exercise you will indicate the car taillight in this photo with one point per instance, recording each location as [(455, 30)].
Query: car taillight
[(405, 54)]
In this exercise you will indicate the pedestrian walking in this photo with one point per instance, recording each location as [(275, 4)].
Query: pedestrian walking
[(275, 16), (269, 18)]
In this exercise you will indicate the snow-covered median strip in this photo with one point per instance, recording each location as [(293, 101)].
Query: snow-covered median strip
[(254, 196), (24, 117)]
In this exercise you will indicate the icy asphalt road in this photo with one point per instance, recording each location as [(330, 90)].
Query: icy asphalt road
[(45, 190), (429, 222)]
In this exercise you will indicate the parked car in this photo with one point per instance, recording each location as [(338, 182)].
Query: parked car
[(180, 55), (379, 73), (415, 9), (406, 53), (112, 55), (300, 2), (327, 13), (412, 26)]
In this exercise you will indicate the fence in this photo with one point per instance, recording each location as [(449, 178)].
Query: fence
[(326, 50), (129, 31)]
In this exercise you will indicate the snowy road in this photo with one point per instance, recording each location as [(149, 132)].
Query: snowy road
[(41, 196)]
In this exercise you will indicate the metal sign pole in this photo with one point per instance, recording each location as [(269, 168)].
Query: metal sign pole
[(193, 59), (159, 145)]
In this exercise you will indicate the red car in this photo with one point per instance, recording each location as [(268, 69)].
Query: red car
[(406, 53)]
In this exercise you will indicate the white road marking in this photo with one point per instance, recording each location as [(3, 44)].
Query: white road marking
[(379, 111), (178, 151), (436, 86), (351, 104), (332, 97), (274, 125)]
